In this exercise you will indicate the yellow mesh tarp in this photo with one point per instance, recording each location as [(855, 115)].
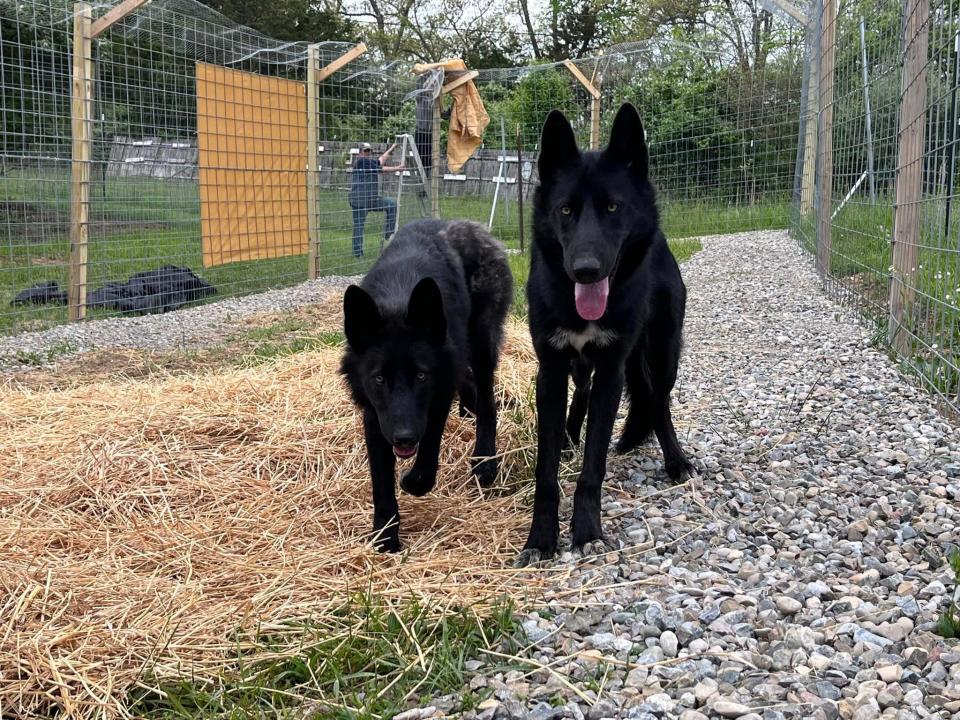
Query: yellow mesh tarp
[(252, 138)]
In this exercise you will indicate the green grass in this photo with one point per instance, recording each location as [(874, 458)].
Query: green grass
[(861, 259), (139, 224), (948, 624), (369, 660)]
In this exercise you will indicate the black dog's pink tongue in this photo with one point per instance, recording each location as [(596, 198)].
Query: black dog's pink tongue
[(592, 299)]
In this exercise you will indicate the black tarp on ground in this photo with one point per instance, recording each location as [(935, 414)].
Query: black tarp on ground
[(45, 293), (154, 291)]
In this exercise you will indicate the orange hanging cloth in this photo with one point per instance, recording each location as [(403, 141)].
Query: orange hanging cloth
[(468, 117)]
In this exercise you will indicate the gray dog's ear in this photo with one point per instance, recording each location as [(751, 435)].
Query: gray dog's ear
[(425, 311), (628, 142), (361, 318), (558, 146)]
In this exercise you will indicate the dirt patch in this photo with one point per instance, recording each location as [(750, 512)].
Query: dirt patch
[(240, 342), (35, 222)]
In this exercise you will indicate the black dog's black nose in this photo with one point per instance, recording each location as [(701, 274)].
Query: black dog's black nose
[(404, 438), (586, 270)]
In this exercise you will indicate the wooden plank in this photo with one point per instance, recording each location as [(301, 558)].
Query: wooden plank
[(345, 59), (115, 15), (313, 194), (81, 113), (827, 54), (808, 178), (909, 176), (791, 10), (463, 79), (594, 123), (435, 173), (575, 71)]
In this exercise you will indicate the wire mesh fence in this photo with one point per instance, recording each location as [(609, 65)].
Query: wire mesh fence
[(879, 208), (214, 161)]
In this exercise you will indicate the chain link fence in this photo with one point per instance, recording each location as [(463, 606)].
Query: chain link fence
[(875, 192)]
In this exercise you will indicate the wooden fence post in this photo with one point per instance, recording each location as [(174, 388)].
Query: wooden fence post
[(313, 198), (81, 111), (594, 103), (828, 36), (808, 178), (435, 174), (909, 177)]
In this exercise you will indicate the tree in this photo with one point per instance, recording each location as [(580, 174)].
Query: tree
[(290, 19)]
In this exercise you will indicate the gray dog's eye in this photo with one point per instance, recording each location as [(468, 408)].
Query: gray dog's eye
[(565, 210), (421, 376), (378, 379), (612, 207)]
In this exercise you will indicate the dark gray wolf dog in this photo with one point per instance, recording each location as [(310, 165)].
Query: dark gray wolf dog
[(425, 324), (606, 306)]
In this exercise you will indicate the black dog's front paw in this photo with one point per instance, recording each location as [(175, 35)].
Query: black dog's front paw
[(419, 481), (541, 543), (386, 535), (585, 526), (678, 469), (485, 471), (570, 443)]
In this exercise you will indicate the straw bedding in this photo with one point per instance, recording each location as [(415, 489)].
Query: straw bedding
[(145, 524)]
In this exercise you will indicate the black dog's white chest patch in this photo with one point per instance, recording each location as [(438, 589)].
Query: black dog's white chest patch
[(563, 338)]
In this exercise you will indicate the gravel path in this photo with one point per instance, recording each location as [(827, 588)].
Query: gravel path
[(192, 327), (800, 574)]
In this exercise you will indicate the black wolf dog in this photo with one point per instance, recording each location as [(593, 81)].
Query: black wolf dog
[(424, 324), (606, 306)]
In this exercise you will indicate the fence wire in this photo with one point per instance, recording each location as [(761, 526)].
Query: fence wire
[(889, 233), (200, 185)]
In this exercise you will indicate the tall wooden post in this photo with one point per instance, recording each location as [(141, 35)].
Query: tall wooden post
[(808, 178), (909, 177), (827, 51), (81, 113), (594, 103), (435, 174), (313, 147)]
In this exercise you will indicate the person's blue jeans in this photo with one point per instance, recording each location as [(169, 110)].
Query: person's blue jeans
[(360, 210)]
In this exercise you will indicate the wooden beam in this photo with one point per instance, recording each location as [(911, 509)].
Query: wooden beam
[(462, 79), (435, 174), (115, 15), (313, 194), (791, 10), (909, 177), (827, 53), (81, 125), (808, 178), (575, 71), (345, 59)]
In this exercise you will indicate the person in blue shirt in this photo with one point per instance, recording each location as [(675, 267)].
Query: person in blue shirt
[(365, 194)]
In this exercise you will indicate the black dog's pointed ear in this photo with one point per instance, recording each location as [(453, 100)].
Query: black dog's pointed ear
[(558, 146), (361, 317), (425, 310), (628, 143)]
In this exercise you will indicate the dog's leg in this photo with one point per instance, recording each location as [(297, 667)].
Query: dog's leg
[(581, 371), (674, 461), (386, 514), (468, 395), (420, 479), (551, 404), (604, 401), (484, 461), (641, 416)]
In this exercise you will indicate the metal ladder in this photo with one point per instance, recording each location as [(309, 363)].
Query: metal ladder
[(408, 145)]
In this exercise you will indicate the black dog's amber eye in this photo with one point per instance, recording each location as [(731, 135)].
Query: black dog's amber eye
[(421, 376), (566, 210), (612, 207), (378, 379)]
